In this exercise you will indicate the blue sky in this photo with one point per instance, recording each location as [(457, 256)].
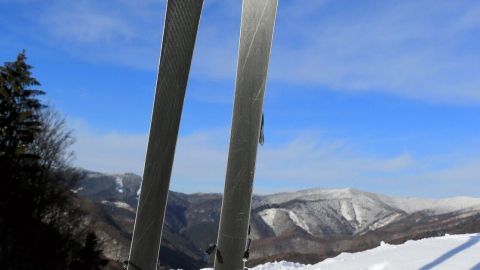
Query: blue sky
[(382, 96)]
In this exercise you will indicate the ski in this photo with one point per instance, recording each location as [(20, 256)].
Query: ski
[(179, 34), (256, 32)]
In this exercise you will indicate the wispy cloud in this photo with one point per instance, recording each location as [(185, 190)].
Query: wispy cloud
[(81, 23), (318, 161), (118, 32), (108, 152), (424, 50), (412, 49), (308, 160)]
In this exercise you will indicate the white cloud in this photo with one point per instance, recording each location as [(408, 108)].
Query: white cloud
[(407, 49), (321, 160), (119, 32), (112, 152), (308, 160), (460, 178), (424, 50), (470, 19), (79, 22), (417, 49), (200, 159)]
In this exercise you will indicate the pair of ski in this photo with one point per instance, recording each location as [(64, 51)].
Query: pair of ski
[(180, 30)]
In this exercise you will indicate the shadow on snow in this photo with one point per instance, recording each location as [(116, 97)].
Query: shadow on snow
[(472, 241)]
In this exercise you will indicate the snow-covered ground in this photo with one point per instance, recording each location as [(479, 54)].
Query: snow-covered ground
[(453, 252)]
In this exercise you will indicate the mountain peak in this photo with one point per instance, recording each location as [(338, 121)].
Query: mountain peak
[(309, 223)]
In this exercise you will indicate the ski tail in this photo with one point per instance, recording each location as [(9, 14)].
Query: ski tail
[(179, 34)]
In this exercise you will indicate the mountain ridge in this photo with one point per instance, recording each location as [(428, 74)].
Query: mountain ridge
[(307, 225)]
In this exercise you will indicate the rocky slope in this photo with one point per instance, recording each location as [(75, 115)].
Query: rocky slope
[(305, 226)]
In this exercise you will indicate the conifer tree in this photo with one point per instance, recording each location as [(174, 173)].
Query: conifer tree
[(19, 124), (19, 108), (41, 224), (90, 256)]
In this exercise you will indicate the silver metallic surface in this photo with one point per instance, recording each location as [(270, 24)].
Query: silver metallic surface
[(258, 17), (180, 30)]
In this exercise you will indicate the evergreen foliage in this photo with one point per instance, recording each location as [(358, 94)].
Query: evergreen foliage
[(90, 257), (41, 224)]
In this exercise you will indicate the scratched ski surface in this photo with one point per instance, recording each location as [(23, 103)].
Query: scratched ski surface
[(258, 17), (180, 30)]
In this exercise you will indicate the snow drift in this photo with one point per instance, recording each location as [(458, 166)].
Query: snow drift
[(452, 252)]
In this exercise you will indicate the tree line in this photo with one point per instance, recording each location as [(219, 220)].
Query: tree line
[(42, 225)]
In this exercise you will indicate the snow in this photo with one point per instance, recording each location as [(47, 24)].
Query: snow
[(124, 206), (358, 213), (347, 211), (118, 204), (383, 222), (268, 216), (350, 210), (409, 205), (449, 252), (77, 190), (278, 220), (300, 223), (119, 183)]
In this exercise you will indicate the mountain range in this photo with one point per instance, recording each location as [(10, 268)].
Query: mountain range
[(304, 226)]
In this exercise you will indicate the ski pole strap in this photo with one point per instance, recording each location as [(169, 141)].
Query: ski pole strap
[(246, 255), (261, 139), (211, 249)]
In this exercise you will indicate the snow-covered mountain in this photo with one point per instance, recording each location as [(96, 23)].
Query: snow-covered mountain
[(450, 252), (321, 212), (305, 226)]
